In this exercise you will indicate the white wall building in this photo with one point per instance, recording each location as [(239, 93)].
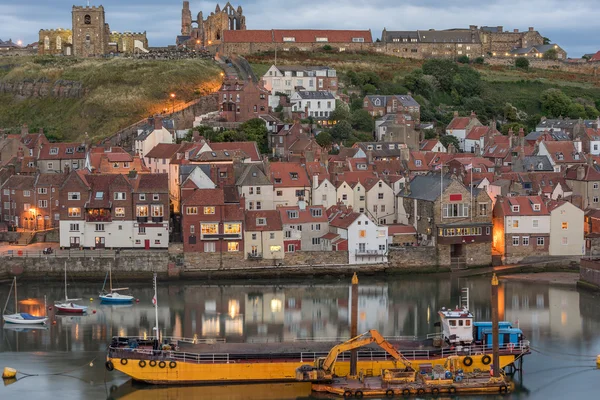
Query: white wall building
[(566, 229)]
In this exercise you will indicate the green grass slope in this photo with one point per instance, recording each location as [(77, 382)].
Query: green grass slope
[(118, 92)]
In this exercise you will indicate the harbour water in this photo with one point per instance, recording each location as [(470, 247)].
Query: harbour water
[(562, 323)]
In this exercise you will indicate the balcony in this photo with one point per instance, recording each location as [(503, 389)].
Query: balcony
[(142, 219), (254, 256), (221, 236), (366, 253), (157, 219)]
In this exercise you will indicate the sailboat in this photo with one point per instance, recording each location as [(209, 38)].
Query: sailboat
[(20, 318), (67, 306), (113, 296)]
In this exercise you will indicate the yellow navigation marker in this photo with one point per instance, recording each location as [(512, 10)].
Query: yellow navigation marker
[(9, 373)]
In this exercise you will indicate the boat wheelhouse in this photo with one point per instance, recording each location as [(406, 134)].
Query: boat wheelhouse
[(457, 325)]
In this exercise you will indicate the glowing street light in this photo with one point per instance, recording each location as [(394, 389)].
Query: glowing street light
[(173, 99)]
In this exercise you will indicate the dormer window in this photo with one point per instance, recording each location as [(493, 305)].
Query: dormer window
[(294, 176), (559, 156), (377, 102), (536, 207), (277, 180), (378, 147), (577, 156), (54, 150), (515, 209), (261, 221), (99, 195), (540, 166), (293, 214), (370, 147), (70, 150), (418, 163)]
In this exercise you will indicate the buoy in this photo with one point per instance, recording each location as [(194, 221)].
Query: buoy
[(54, 322), (598, 361), (50, 308), (91, 363), (137, 300), (91, 299), (9, 373), (94, 312)]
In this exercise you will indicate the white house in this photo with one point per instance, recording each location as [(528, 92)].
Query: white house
[(592, 141), (323, 192), (460, 127), (380, 201), (566, 229), (318, 105), (366, 241), (151, 135), (255, 186)]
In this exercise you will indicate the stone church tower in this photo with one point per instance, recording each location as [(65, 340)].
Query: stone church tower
[(90, 31)]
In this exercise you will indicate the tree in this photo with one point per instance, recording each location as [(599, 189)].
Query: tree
[(341, 131), (255, 130), (449, 139), (324, 140), (327, 47), (361, 120), (467, 82), (522, 63), (576, 111), (476, 105), (555, 103), (546, 40), (341, 112), (443, 70), (355, 104), (515, 126), (369, 89), (479, 60), (429, 134), (464, 59), (551, 54)]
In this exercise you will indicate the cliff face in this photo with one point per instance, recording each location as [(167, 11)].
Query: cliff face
[(43, 88)]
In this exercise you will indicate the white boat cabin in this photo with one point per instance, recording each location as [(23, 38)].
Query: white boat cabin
[(457, 325)]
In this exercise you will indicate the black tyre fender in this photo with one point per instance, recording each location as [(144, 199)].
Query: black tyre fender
[(358, 394), (420, 392), (452, 389), (406, 392), (153, 363), (486, 360), (389, 393), (124, 361), (468, 361), (347, 394), (503, 389), (162, 364), (142, 363), (109, 366), (172, 364), (435, 391)]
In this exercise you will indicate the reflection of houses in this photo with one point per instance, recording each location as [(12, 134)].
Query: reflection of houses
[(264, 316), (372, 308)]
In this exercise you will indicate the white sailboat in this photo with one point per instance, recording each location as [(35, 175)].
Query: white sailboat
[(113, 296), (68, 305), (17, 317)]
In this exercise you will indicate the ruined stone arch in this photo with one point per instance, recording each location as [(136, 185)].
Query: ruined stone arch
[(58, 43), (46, 43), (70, 39)]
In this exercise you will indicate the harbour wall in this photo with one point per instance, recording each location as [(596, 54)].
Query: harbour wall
[(589, 273)]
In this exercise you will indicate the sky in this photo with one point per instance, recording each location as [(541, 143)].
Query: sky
[(571, 24)]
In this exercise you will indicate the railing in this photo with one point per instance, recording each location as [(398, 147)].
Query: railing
[(343, 339), (458, 262), (98, 218), (254, 256), (75, 253), (370, 252)]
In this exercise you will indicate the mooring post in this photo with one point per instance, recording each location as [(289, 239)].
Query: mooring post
[(495, 330), (354, 324)]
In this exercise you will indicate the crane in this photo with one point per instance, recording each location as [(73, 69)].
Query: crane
[(323, 369)]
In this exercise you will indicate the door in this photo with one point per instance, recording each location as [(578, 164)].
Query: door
[(74, 241), (100, 243), (147, 244)]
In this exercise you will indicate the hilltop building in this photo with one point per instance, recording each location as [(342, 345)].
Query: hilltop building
[(209, 31)]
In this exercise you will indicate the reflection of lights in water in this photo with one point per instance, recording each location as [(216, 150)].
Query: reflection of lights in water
[(35, 307), (275, 305), (234, 308), (428, 313), (121, 332), (145, 335), (363, 316), (76, 331), (563, 318)]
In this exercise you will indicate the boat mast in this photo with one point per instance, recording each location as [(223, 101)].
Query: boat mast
[(155, 301), (110, 275), (16, 301), (66, 297)]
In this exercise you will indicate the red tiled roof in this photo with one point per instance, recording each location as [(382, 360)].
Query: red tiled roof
[(354, 177), (119, 157), (553, 204), (61, 151), (304, 216), (525, 204), (317, 168), (595, 57), (591, 173), (478, 131), (401, 229), (417, 155), (248, 148), (247, 36), (151, 183), (205, 197), (567, 149), (388, 167), (19, 182), (284, 170), (428, 145), (273, 220), (344, 219), (331, 235), (459, 123), (163, 151), (299, 35)]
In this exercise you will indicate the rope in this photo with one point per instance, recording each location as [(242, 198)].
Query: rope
[(58, 373), (542, 351)]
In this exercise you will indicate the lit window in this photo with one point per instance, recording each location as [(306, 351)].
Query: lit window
[(74, 212), (233, 246), (362, 233), (565, 226), (141, 211), (233, 229), (157, 210), (515, 223), (209, 229), (119, 211), (275, 249)]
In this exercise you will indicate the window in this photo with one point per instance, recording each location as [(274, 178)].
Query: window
[(209, 228), (50, 165), (455, 210), (565, 226), (358, 40), (344, 197), (288, 234), (525, 240), (233, 246), (292, 214), (74, 212), (361, 198), (141, 211), (251, 190), (41, 191), (26, 207), (191, 210), (362, 233), (536, 207), (209, 210), (157, 210), (261, 221), (233, 229), (280, 193), (294, 176), (275, 249), (515, 240), (258, 205), (43, 203), (316, 212), (142, 196), (87, 20), (515, 208), (596, 185), (74, 227), (515, 223), (300, 193), (565, 241), (119, 211), (595, 199), (536, 223), (418, 163), (54, 151), (119, 195), (315, 227), (99, 195), (258, 190), (156, 197), (375, 208), (271, 236), (540, 241), (483, 210), (380, 196), (254, 236), (26, 193), (209, 247), (192, 229)]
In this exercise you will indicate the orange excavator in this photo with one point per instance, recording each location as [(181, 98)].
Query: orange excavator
[(323, 369)]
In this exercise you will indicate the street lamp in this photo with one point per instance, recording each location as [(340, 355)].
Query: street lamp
[(173, 99)]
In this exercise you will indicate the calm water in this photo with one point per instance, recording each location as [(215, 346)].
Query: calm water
[(562, 323)]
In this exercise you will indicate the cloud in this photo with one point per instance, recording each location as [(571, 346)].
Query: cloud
[(570, 24)]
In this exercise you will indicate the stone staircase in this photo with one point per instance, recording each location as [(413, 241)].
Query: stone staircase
[(25, 238)]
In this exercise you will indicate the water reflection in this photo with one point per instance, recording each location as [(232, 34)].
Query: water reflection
[(551, 317)]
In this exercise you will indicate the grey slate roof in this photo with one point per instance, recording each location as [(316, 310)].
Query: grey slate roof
[(251, 175), (316, 95), (404, 99), (449, 36), (146, 131), (532, 163), (541, 48), (186, 169), (558, 136), (426, 187)]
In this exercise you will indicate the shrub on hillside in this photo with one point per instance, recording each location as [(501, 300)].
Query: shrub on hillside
[(522, 63), (463, 59)]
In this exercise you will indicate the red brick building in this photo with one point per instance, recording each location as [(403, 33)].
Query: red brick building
[(242, 100), (212, 220)]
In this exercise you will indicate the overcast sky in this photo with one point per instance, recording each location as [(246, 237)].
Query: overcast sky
[(571, 24)]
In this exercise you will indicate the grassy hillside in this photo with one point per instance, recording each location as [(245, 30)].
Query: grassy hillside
[(500, 85), (118, 92)]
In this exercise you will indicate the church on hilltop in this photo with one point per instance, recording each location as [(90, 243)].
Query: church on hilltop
[(207, 32), (90, 36)]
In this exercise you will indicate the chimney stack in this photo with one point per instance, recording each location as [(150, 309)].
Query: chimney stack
[(24, 130), (531, 29), (158, 122), (500, 29)]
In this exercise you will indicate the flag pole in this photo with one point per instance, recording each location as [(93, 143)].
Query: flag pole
[(155, 301)]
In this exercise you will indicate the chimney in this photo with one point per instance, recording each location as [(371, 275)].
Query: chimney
[(531, 29), (302, 204), (516, 31), (510, 138), (580, 173), (473, 27), (325, 158), (195, 136), (132, 174), (41, 132), (451, 149), (404, 154), (24, 130), (370, 156), (522, 143), (500, 29), (477, 150), (407, 185), (158, 122), (315, 181), (577, 144)]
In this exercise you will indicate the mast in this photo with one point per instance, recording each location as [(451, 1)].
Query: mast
[(495, 330), (155, 301), (110, 275), (66, 297), (16, 301)]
